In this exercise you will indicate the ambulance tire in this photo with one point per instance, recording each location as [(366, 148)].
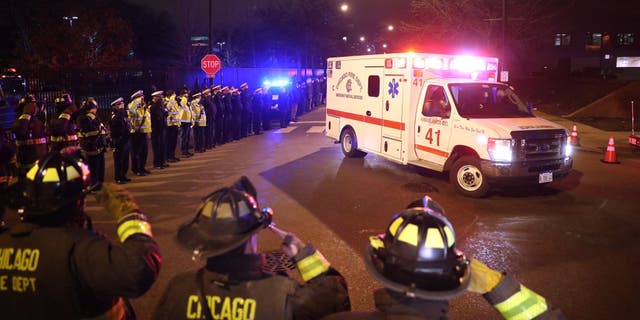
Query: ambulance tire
[(349, 144), (467, 177)]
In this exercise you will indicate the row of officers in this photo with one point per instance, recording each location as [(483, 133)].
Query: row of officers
[(199, 121)]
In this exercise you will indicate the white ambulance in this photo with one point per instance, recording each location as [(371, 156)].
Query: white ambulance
[(444, 113)]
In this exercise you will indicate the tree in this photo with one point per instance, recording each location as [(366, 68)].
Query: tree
[(445, 26)]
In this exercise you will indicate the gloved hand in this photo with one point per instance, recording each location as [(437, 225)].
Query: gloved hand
[(483, 278), (117, 200), (292, 245)]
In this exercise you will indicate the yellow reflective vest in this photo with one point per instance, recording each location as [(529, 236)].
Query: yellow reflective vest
[(186, 115), (139, 116), (199, 116), (174, 111)]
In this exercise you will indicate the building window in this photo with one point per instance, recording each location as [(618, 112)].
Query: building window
[(562, 40), (593, 41), (626, 39)]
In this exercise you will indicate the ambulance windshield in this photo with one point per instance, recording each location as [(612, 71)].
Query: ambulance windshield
[(487, 100)]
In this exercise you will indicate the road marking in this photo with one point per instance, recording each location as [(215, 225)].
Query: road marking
[(316, 129), (285, 130)]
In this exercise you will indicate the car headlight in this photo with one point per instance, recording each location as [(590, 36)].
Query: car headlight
[(568, 148), (500, 149)]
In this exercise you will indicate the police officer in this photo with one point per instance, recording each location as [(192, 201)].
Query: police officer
[(417, 262), (186, 122), (158, 130), (173, 125), (228, 114), (257, 106), (141, 125), (199, 122), (233, 283), (120, 130), (92, 137), (210, 112), (55, 266), (63, 129), (247, 112), (220, 114), (236, 103), (29, 134)]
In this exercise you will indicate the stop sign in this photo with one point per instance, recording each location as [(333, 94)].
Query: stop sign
[(210, 64)]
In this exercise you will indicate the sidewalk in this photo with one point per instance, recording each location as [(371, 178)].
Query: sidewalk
[(595, 140)]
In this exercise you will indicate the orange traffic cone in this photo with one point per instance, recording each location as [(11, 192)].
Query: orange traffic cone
[(610, 154), (573, 139)]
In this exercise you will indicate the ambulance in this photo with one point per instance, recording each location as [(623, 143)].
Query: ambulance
[(446, 113)]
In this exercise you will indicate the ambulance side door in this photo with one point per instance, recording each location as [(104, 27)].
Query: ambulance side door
[(433, 125)]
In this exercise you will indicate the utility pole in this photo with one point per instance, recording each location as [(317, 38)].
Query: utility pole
[(504, 35), (210, 39)]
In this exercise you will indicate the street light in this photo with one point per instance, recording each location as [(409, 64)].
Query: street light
[(362, 39), (344, 38), (390, 27), (344, 7), (70, 19)]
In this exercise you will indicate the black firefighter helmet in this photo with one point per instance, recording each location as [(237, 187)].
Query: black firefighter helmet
[(226, 219), (56, 180), (417, 255)]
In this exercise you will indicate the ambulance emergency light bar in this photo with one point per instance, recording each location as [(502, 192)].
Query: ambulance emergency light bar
[(461, 63)]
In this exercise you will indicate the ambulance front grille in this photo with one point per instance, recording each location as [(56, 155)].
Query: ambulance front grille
[(539, 144)]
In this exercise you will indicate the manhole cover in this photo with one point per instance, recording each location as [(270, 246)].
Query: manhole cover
[(277, 261)]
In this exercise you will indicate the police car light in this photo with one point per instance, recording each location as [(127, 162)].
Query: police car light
[(467, 64), (277, 82)]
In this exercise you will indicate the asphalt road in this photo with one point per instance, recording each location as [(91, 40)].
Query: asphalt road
[(575, 241)]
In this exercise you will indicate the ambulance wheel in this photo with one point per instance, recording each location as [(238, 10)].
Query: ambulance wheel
[(349, 144), (468, 178)]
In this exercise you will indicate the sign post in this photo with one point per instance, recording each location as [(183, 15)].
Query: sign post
[(210, 64)]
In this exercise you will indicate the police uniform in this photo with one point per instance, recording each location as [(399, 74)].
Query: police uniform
[(257, 106), (92, 138), (30, 139), (234, 283), (158, 115), (199, 123), (141, 127), (237, 106), (247, 112), (173, 126), (51, 267), (220, 114), (186, 122), (120, 130), (210, 112)]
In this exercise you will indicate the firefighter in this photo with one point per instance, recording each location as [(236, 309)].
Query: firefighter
[(233, 281), (199, 123), (55, 266), (158, 130), (7, 171), (30, 136), (173, 125), (210, 112), (63, 129), (257, 106), (141, 127), (92, 135), (186, 122), (120, 130), (417, 262)]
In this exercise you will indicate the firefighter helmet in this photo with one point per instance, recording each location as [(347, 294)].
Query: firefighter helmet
[(226, 219), (56, 180), (417, 255), (63, 102)]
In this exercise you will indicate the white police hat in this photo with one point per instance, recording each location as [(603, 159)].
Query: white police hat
[(197, 95), (244, 85), (116, 101), (137, 94), (205, 91), (157, 93)]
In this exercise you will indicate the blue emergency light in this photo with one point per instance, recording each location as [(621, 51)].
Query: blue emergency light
[(276, 82)]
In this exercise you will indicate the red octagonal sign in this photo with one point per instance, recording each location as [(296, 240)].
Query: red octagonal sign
[(210, 64)]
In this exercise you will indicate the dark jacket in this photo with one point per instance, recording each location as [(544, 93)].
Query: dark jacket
[(119, 127), (30, 138), (72, 273), (91, 134), (238, 285), (63, 132), (158, 117)]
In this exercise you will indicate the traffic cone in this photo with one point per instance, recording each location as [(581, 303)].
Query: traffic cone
[(610, 154), (573, 139)]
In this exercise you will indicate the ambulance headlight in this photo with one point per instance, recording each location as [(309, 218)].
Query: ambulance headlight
[(500, 149)]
